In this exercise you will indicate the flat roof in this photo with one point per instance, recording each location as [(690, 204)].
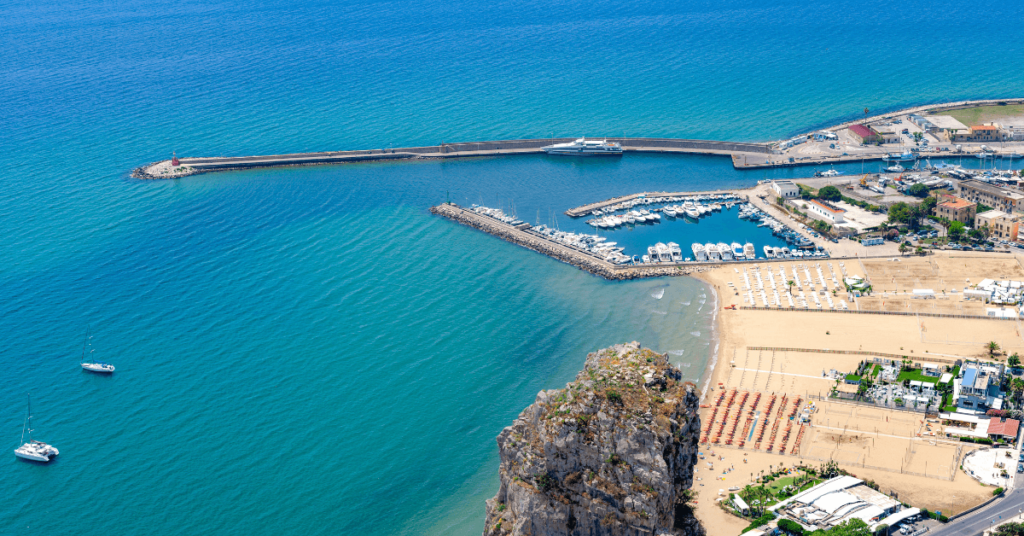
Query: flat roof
[(988, 188), (946, 122), (992, 214), (984, 127), (970, 374)]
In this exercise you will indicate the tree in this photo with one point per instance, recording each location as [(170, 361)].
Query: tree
[(956, 230), (918, 190), (927, 205), (1014, 360), (790, 284), (830, 193), (919, 250), (992, 347), (903, 248), (901, 213)]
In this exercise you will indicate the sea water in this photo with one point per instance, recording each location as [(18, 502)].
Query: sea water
[(307, 350)]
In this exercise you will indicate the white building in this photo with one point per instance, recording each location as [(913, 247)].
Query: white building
[(785, 189), (835, 501), (822, 211)]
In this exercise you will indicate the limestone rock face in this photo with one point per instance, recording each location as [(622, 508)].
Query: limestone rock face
[(611, 454)]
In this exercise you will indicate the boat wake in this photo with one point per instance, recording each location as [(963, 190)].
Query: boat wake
[(677, 352), (695, 333), (660, 312), (658, 294)]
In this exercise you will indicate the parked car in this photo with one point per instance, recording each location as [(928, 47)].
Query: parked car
[(1020, 468)]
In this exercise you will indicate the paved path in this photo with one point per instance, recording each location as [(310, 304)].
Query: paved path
[(976, 522)]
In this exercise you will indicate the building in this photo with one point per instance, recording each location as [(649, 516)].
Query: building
[(1003, 428), (836, 501), (992, 195), (864, 134), (980, 133), (956, 209), (999, 224), (887, 133), (977, 387), (823, 211), (786, 189), (941, 126), (873, 241)]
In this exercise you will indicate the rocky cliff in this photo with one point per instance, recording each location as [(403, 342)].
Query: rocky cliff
[(611, 454)]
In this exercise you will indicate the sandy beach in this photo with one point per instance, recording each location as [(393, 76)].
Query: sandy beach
[(759, 366)]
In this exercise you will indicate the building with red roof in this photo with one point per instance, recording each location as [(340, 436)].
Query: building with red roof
[(1003, 428)]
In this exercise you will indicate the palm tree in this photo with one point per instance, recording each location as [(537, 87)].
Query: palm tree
[(903, 248), (790, 284), (992, 347)]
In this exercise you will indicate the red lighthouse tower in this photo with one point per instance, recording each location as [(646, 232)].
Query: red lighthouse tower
[(174, 159)]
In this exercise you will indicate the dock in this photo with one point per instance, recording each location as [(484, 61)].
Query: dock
[(584, 210)]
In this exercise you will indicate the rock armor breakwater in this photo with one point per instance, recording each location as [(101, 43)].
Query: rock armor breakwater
[(578, 258), (611, 454)]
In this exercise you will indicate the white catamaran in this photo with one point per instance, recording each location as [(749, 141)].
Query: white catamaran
[(36, 451)]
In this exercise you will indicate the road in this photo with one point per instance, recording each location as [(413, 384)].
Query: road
[(1011, 505)]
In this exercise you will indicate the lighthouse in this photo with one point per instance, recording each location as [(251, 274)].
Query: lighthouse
[(174, 159)]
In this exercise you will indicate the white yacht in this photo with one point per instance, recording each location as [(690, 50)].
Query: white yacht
[(712, 251), (675, 251), (669, 211), (692, 213), (92, 365), (769, 252), (664, 255), (36, 451), (748, 250), (724, 251), (737, 250), (585, 147), (699, 254), (895, 168)]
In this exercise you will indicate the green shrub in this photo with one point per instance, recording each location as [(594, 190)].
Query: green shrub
[(763, 520), (792, 527), (998, 491), (614, 397)]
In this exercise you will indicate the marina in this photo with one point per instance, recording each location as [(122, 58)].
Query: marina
[(615, 248)]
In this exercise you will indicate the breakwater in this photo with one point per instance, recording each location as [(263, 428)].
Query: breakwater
[(192, 166), (584, 260)]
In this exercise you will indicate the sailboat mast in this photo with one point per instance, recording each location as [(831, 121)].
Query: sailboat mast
[(28, 421), (85, 343)]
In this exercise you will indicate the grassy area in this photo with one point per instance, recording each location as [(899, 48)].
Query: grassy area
[(876, 370), (982, 114), (853, 378), (915, 375)]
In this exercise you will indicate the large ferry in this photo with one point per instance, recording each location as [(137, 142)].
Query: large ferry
[(585, 147)]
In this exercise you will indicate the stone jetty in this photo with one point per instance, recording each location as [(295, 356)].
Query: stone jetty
[(581, 259)]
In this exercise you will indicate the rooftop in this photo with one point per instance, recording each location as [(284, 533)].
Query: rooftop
[(861, 131), (984, 127), (993, 215), (1003, 427), (956, 203), (828, 208), (989, 189), (946, 122)]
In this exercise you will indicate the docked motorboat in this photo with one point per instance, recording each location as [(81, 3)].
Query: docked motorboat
[(699, 253), (905, 156), (749, 251), (34, 450), (895, 168), (675, 251), (724, 251), (668, 211), (769, 252), (692, 213), (585, 147), (737, 251), (712, 251)]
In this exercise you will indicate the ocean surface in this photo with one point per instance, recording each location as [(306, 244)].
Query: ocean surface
[(308, 351)]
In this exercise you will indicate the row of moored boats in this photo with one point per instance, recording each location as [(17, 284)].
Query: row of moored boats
[(593, 244)]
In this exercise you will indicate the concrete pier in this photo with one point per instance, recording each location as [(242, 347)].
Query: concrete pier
[(192, 166), (587, 209)]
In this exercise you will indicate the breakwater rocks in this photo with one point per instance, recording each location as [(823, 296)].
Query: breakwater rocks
[(575, 257), (611, 454)]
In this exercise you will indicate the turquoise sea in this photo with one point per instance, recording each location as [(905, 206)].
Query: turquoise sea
[(308, 351)]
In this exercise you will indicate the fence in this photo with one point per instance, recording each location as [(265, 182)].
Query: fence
[(855, 399), (898, 357), (896, 313)]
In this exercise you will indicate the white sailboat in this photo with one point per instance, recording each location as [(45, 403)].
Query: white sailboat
[(36, 451), (93, 365)]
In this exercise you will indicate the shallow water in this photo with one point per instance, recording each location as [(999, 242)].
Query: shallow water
[(308, 351)]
